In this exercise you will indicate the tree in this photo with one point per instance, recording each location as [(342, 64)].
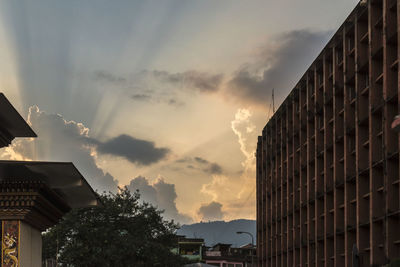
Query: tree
[(121, 232)]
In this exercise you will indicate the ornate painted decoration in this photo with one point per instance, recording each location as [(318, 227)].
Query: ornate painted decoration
[(10, 243)]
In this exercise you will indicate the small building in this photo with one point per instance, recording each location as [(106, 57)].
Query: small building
[(190, 248), (224, 255)]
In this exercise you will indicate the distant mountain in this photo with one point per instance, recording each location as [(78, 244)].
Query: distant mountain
[(221, 232)]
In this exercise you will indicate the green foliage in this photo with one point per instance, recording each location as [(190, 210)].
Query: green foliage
[(122, 232), (395, 263)]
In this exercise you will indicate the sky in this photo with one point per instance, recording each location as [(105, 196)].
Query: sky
[(165, 97)]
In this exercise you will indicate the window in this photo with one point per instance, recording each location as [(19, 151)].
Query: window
[(339, 56), (320, 78), (311, 86), (351, 92), (350, 43), (320, 121), (366, 80)]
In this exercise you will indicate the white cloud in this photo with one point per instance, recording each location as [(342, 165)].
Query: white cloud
[(237, 193), (160, 194), (211, 211), (61, 140)]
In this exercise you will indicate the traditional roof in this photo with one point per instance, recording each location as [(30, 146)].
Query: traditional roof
[(11, 123), (61, 177)]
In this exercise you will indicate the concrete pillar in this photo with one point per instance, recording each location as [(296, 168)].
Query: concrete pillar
[(30, 246)]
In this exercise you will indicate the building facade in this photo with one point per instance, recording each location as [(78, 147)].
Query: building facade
[(328, 160), (223, 255), (190, 248)]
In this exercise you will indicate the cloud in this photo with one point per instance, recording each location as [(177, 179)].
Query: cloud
[(175, 103), (147, 192), (135, 150), (211, 212), (189, 80), (277, 66), (105, 76), (61, 140), (160, 194), (201, 160), (220, 188), (149, 98), (213, 168), (200, 164), (245, 131), (141, 97), (159, 87), (237, 192), (200, 81)]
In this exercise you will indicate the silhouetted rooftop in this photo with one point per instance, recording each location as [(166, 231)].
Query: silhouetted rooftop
[(11, 123), (62, 177)]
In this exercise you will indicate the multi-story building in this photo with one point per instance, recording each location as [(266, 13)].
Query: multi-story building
[(328, 189)]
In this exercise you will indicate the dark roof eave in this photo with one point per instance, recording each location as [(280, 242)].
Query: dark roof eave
[(12, 122), (62, 177)]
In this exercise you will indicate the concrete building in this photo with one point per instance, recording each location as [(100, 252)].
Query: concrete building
[(224, 255), (328, 160), (190, 248)]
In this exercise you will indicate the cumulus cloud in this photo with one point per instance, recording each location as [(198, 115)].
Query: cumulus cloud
[(244, 129), (211, 211), (237, 193), (278, 64), (61, 140), (135, 150), (220, 188), (201, 164), (147, 192), (161, 194)]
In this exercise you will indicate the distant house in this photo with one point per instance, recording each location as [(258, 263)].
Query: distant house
[(190, 248), (224, 255)]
